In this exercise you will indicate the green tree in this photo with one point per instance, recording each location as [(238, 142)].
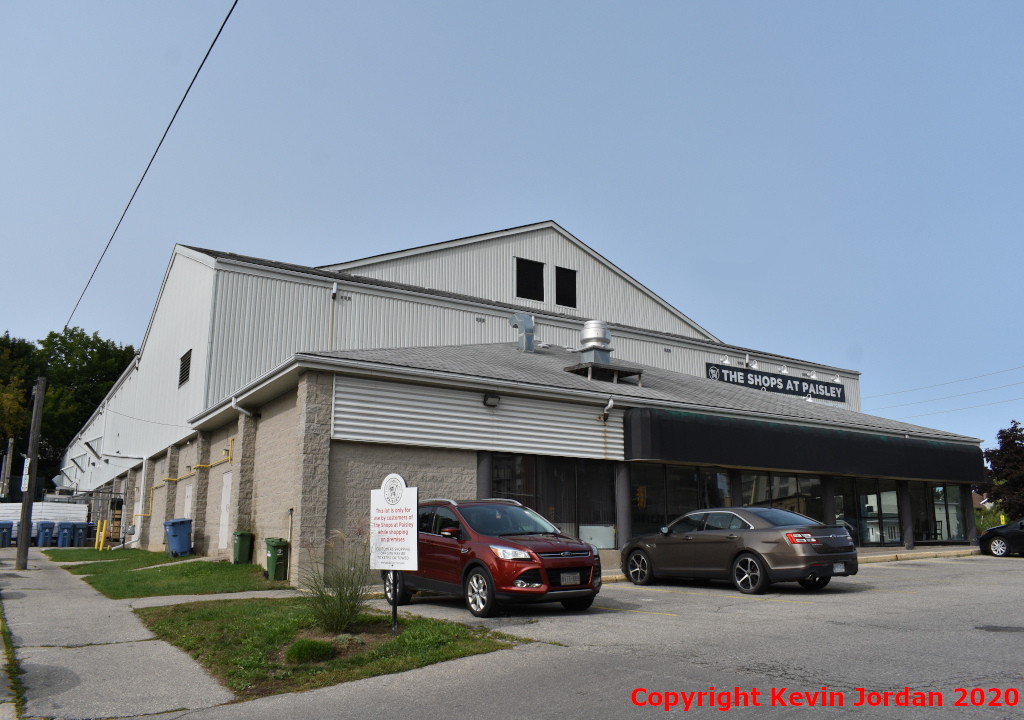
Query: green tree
[(80, 370), (1006, 471)]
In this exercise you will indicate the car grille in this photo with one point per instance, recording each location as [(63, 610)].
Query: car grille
[(531, 576), (555, 555), (555, 575), (832, 549)]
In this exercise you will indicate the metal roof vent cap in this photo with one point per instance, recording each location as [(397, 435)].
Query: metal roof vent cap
[(596, 341)]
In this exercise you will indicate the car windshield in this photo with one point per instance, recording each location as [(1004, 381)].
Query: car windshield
[(782, 518), (505, 520)]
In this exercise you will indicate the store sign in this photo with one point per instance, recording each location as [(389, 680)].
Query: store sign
[(393, 536), (785, 384)]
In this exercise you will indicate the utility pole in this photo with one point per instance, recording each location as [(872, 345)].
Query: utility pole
[(5, 475), (25, 528)]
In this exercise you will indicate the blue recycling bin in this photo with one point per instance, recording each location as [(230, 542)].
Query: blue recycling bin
[(44, 533), (179, 536), (80, 534), (6, 530), (65, 534)]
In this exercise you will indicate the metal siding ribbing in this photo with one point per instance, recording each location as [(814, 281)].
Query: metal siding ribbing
[(147, 410), (487, 270), (259, 323), (404, 414)]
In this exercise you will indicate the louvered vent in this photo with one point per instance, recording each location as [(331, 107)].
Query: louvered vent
[(185, 368)]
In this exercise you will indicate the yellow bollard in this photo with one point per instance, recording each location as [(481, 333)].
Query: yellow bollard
[(103, 535), (96, 542)]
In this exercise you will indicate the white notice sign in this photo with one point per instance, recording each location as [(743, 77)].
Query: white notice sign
[(25, 474), (393, 537)]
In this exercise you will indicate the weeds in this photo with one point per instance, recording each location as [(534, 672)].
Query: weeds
[(338, 586)]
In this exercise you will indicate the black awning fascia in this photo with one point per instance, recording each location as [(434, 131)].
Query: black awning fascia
[(676, 436)]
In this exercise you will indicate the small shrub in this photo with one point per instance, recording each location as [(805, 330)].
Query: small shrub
[(309, 651), (337, 588)]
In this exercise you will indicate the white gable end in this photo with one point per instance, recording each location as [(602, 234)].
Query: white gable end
[(486, 268)]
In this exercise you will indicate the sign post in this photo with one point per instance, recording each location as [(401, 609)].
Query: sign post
[(394, 541)]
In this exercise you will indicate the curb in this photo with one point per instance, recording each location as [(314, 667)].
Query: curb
[(896, 557)]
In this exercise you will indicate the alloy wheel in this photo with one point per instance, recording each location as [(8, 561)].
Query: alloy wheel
[(998, 547), (747, 574), (476, 592), (639, 568)]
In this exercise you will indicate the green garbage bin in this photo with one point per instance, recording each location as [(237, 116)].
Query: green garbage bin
[(243, 547), (277, 559)]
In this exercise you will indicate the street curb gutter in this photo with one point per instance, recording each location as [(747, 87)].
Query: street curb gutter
[(12, 694)]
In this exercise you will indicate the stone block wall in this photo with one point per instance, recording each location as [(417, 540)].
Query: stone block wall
[(356, 468), (276, 469)]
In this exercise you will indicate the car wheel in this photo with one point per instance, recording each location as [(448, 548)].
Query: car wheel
[(816, 583), (397, 586), (638, 567), (480, 593), (748, 574), (579, 604), (997, 546)]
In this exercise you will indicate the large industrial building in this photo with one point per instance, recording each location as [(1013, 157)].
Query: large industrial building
[(272, 397)]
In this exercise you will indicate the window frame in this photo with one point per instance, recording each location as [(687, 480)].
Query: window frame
[(520, 281)]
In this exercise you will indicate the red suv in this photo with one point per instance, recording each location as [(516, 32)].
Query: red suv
[(497, 551)]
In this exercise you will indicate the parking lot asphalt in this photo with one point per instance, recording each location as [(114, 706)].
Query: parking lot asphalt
[(929, 625)]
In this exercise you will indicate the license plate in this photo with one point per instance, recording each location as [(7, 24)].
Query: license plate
[(838, 567), (572, 578)]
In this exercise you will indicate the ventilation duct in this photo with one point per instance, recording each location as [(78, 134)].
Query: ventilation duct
[(524, 324)]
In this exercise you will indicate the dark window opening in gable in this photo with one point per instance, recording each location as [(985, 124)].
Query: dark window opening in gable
[(185, 368), (529, 279), (565, 287)]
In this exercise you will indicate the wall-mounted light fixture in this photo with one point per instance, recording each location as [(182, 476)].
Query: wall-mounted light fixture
[(491, 400), (837, 379), (784, 370), (812, 375), (724, 360)]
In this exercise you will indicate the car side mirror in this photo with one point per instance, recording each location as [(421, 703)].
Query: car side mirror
[(450, 532), (664, 531)]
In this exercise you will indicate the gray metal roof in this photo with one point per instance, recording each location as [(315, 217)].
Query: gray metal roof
[(360, 280), (502, 362)]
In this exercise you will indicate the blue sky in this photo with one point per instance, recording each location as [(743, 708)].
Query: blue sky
[(839, 182)]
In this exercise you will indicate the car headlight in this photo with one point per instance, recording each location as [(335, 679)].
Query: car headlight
[(593, 549), (507, 553)]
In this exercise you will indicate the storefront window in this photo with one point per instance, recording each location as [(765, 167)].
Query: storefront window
[(647, 497), (681, 490), (811, 504), (576, 495), (785, 494), (954, 511), (890, 512), (715, 490), (757, 489)]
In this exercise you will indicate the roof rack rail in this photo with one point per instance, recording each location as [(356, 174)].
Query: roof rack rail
[(504, 500), (444, 500)]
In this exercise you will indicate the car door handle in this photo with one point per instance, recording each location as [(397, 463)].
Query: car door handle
[(732, 537), (688, 537), (465, 550)]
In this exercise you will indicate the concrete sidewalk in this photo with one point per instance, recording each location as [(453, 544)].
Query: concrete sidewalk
[(86, 656)]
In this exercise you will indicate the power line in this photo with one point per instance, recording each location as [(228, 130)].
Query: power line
[(970, 407), (951, 382), (151, 159), (945, 397), (152, 422)]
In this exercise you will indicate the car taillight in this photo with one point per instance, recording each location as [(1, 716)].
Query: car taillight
[(801, 539)]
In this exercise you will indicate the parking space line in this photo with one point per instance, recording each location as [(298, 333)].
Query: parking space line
[(737, 597), (642, 612), (905, 592)]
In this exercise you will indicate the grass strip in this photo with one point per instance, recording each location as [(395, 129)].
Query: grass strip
[(199, 578), (243, 643), (109, 562), (12, 667)]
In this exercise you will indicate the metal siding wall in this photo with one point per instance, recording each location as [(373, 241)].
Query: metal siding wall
[(259, 323), (403, 414), (148, 411), (487, 270)]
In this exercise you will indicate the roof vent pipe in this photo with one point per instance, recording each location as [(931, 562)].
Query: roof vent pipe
[(596, 342), (524, 324)]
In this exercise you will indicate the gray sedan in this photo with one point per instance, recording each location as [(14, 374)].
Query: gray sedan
[(752, 546)]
